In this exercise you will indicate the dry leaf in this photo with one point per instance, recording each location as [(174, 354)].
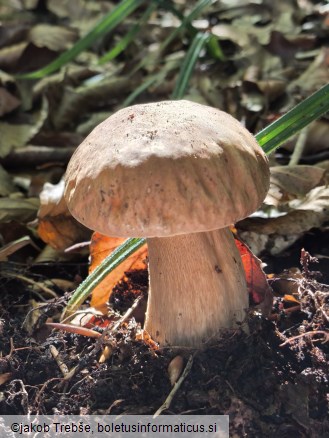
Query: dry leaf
[(291, 182), (18, 135), (57, 38), (21, 210), (56, 226), (6, 185), (315, 76), (260, 293), (277, 234), (8, 102), (143, 336), (175, 369), (78, 330), (12, 247), (4, 377)]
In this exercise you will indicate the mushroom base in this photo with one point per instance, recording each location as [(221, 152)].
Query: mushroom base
[(197, 287)]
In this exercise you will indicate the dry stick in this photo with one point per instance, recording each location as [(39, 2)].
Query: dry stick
[(108, 351), (169, 399), (61, 365), (276, 316), (316, 332), (68, 374), (12, 247), (123, 318), (44, 289), (42, 390), (299, 147), (324, 313), (32, 155)]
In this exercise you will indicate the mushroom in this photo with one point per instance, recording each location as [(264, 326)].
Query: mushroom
[(178, 173)]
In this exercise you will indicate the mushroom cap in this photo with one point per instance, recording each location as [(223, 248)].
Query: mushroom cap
[(166, 168)]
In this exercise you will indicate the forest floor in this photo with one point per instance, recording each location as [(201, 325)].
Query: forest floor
[(271, 381)]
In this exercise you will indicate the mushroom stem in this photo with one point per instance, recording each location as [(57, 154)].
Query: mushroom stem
[(197, 287)]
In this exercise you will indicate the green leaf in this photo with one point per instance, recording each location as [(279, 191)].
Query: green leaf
[(108, 23), (214, 49), (294, 120), (190, 59)]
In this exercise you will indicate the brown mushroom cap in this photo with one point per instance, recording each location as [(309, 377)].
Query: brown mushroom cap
[(166, 168)]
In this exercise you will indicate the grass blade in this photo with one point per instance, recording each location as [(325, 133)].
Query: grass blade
[(190, 59), (129, 37), (186, 21), (109, 263), (294, 120), (108, 23), (214, 49)]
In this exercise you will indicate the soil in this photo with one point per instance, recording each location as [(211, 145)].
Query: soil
[(271, 381), (268, 389)]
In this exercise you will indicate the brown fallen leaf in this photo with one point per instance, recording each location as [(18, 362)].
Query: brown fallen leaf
[(18, 209), (4, 377), (292, 182), (6, 184), (278, 233), (12, 247), (56, 226), (175, 369), (260, 293), (8, 102), (57, 38), (15, 135)]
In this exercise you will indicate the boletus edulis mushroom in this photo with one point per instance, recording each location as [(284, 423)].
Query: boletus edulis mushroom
[(178, 173)]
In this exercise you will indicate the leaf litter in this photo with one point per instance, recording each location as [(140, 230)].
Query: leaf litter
[(273, 381)]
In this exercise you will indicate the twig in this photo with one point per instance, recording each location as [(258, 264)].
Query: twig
[(42, 389), (169, 399), (14, 246), (61, 365), (299, 147), (284, 312), (107, 351), (44, 289), (125, 316), (316, 332), (33, 155)]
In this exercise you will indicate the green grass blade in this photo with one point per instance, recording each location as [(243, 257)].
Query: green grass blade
[(190, 59), (108, 23), (294, 120), (129, 37), (186, 21), (109, 263), (214, 49), (185, 25)]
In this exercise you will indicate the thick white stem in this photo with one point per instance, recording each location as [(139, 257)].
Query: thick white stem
[(197, 287)]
